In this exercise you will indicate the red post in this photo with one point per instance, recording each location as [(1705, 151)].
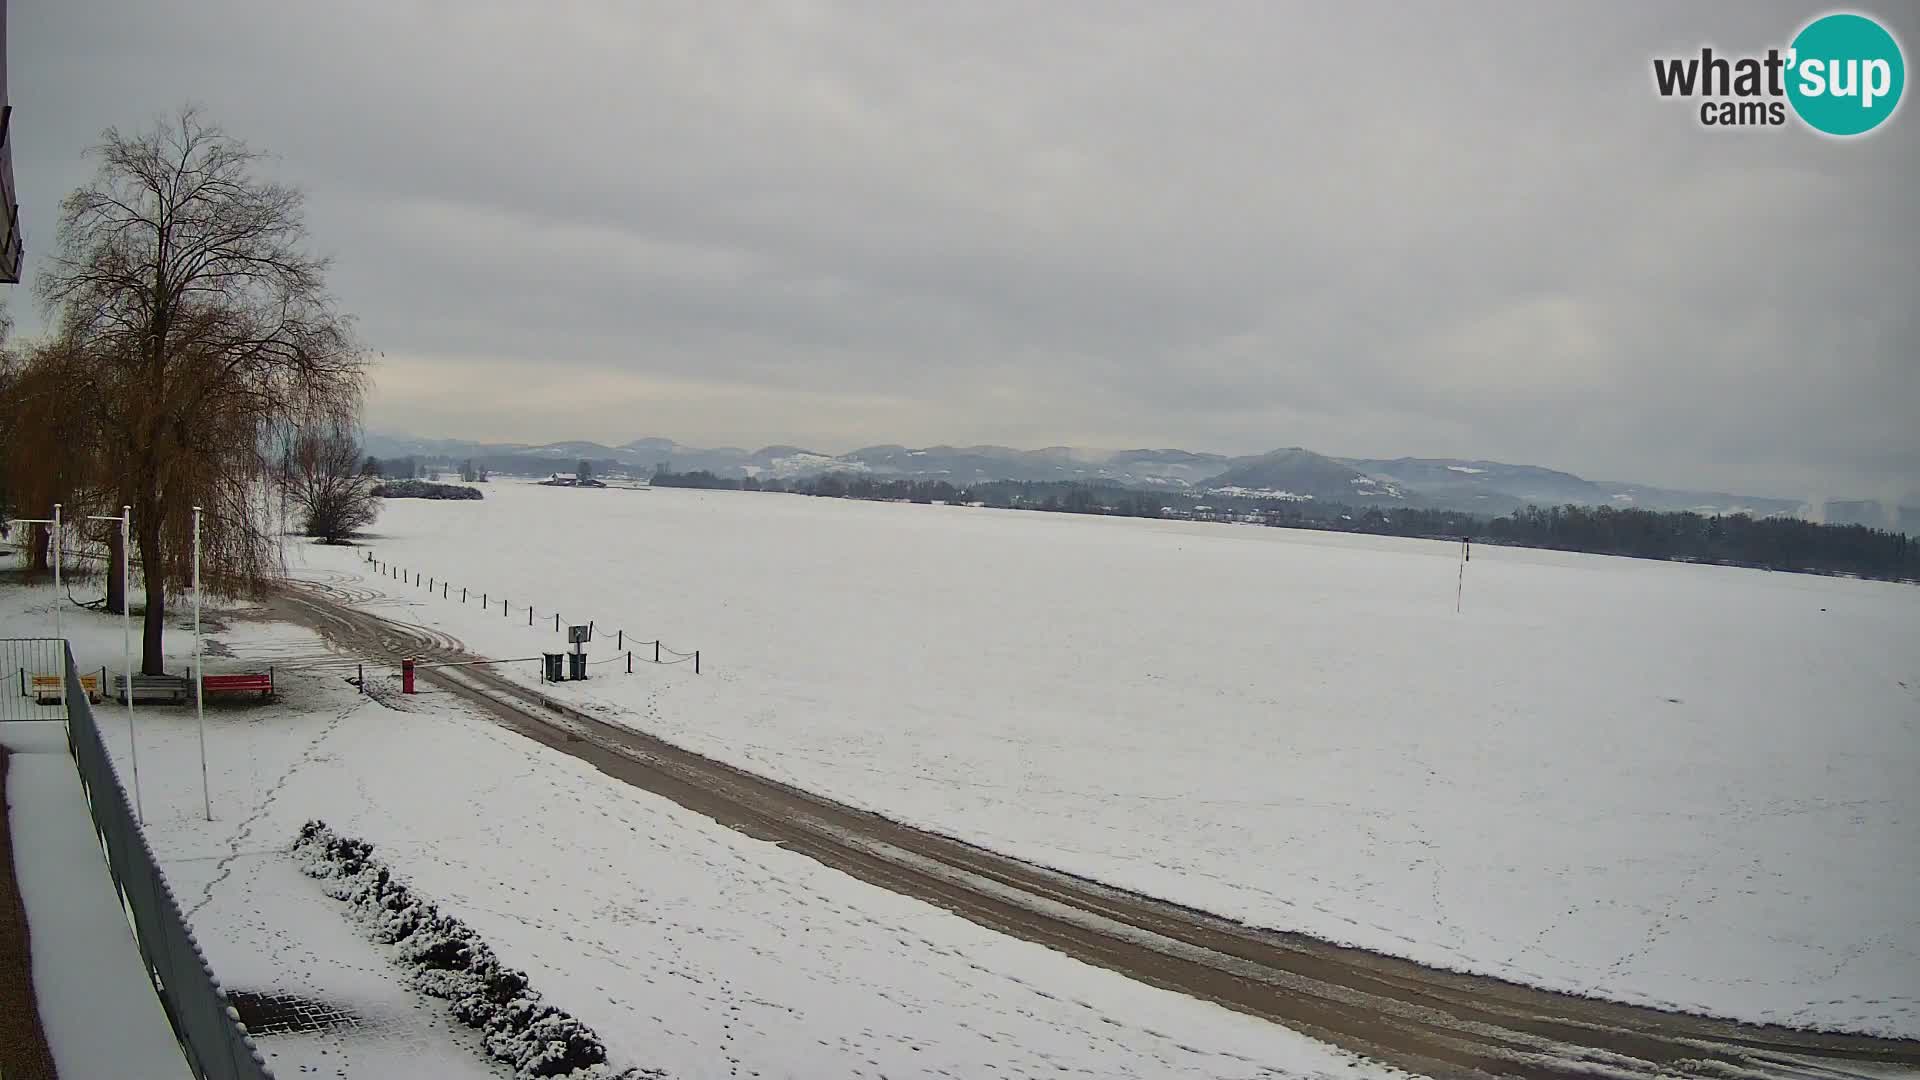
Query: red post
[(406, 675)]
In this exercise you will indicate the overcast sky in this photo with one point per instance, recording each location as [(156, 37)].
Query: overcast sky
[(1426, 230)]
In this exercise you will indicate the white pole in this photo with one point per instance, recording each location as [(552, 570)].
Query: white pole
[(126, 648), (125, 519), (57, 597), (56, 592), (199, 680), (53, 542)]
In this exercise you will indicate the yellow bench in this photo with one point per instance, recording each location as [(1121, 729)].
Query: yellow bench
[(46, 688)]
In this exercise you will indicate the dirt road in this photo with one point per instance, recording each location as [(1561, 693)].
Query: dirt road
[(1422, 1019)]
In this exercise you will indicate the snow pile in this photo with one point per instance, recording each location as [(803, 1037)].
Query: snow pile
[(448, 960)]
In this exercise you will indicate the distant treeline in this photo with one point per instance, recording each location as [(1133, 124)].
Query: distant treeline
[(1778, 543), (479, 469), (1775, 543)]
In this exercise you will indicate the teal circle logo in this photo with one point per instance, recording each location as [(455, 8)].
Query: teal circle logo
[(1845, 74)]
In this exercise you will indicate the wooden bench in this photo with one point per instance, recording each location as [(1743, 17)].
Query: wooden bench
[(47, 689), (169, 689), (252, 682)]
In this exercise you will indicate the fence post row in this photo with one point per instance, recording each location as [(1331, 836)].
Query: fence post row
[(620, 636)]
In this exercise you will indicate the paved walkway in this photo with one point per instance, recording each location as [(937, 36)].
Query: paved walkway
[(97, 1003)]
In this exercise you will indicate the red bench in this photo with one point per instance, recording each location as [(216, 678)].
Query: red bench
[(244, 683)]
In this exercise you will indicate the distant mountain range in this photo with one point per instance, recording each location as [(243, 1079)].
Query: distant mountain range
[(1292, 474)]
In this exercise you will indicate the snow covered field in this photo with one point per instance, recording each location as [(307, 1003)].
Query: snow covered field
[(686, 945), (1678, 785)]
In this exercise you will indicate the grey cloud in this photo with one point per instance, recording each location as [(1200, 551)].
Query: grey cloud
[(1371, 230)]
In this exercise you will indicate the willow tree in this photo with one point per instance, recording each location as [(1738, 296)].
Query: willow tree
[(186, 277), (51, 430)]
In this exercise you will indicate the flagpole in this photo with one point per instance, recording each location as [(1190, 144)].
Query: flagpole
[(199, 676), (53, 542), (56, 589), (126, 649), (57, 596), (125, 519)]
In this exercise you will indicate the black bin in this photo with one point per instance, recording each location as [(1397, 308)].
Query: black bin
[(550, 666), (576, 665)]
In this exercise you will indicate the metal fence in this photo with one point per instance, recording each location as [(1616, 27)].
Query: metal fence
[(35, 673), (209, 1029)]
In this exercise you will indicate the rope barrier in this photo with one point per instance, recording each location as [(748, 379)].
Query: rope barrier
[(472, 663), (620, 636)]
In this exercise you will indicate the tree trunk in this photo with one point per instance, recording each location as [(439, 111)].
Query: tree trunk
[(42, 544), (153, 659), (116, 580)]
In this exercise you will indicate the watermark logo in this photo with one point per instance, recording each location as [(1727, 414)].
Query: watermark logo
[(1842, 75)]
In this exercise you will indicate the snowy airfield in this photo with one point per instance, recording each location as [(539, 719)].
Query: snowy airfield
[(1673, 785)]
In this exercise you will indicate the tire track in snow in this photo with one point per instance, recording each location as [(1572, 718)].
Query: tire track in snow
[(1412, 1016)]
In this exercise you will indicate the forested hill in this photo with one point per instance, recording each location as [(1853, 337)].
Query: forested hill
[(1773, 543)]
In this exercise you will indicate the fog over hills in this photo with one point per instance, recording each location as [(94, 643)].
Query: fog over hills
[(1294, 473)]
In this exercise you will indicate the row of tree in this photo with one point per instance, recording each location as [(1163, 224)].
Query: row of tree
[(412, 468), (197, 360), (1777, 543)]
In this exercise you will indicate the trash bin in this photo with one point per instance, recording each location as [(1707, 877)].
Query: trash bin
[(576, 665), (550, 666)]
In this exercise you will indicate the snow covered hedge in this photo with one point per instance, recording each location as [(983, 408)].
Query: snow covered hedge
[(448, 960)]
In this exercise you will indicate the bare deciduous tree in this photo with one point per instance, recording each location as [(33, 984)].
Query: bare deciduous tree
[(186, 277), (320, 475)]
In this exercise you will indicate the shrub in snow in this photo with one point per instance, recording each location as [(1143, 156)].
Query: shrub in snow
[(446, 959)]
